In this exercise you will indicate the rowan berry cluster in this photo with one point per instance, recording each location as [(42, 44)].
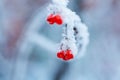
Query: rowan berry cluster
[(54, 19), (65, 55)]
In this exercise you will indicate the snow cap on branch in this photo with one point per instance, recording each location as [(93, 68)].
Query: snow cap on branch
[(60, 2)]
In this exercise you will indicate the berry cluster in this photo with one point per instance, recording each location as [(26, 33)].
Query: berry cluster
[(65, 55), (51, 19)]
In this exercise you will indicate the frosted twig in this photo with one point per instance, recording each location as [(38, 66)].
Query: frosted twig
[(75, 36)]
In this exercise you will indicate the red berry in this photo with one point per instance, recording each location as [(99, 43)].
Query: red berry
[(51, 19), (60, 54), (58, 19), (65, 55), (68, 55), (54, 19)]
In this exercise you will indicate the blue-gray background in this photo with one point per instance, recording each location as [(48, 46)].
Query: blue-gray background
[(28, 43)]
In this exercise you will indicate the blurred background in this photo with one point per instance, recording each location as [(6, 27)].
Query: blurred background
[(28, 44)]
